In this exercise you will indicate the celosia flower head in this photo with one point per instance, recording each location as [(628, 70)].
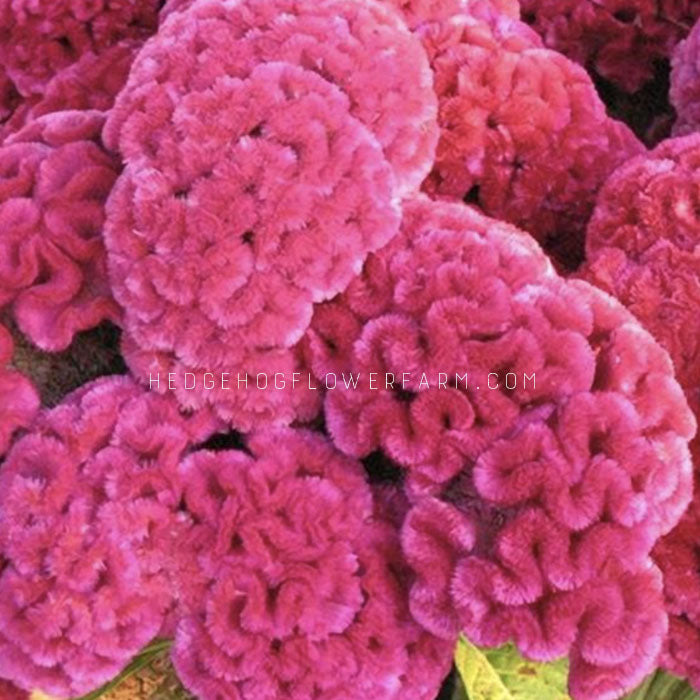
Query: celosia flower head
[(303, 586), (685, 84), (54, 179), (535, 504), (88, 526)]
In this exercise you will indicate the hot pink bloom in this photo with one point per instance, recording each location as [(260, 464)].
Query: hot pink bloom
[(20, 400), (535, 503), (685, 84), (621, 40), (269, 200), (523, 133), (304, 586), (361, 47), (417, 12), (38, 38), (88, 527), (54, 179)]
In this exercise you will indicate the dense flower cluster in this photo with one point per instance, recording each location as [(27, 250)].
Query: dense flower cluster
[(621, 41), (54, 179), (535, 505), (88, 518), (523, 133), (304, 587), (19, 398), (685, 84)]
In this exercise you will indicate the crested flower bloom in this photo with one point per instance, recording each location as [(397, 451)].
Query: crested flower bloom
[(417, 12), (523, 133), (303, 583), (270, 199), (54, 179), (88, 523), (363, 48), (685, 84), (38, 38), (543, 435), (621, 41), (20, 400)]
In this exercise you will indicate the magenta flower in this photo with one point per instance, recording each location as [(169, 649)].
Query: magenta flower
[(11, 692), (685, 84), (417, 12), (20, 400), (54, 179), (38, 38), (89, 530), (534, 505), (361, 47), (621, 41), (523, 133), (303, 585)]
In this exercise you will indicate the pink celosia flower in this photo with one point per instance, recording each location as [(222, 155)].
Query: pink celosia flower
[(38, 38), (20, 400), (622, 40), (54, 179), (417, 12), (523, 132), (270, 199), (303, 585), (535, 502), (88, 526), (685, 84), (362, 47), (11, 692)]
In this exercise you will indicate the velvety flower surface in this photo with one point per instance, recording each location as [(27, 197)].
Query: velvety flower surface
[(535, 504), (88, 527), (38, 38), (11, 692), (270, 199), (622, 40), (685, 84), (303, 583), (20, 400), (417, 12), (364, 48), (54, 179), (523, 132)]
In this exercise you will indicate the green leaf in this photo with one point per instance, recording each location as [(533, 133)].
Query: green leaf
[(502, 674), (663, 686)]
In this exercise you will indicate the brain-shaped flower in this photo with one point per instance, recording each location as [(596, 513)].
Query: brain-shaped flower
[(543, 434), (622, 40), (303, 587), (54, 180), (270, 200), (685, 84), (417, 12), (88, 523), (19, 397), (38, 38), (523, 132), (361, 47)]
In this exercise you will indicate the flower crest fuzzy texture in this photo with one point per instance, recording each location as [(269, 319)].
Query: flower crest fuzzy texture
[(363, 48), (621, 41), (20, 400), (303, 582), (524, 134), (684, 91), (534, 508), (38, 38), (418, 12), (88, 525), (270, 199), (54, 179)]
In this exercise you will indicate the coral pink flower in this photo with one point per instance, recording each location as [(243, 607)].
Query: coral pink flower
[(523, 132), (685, 84), (88, 525), (38, 38), (303, 584), (267, 204), (54, 179), (20, 400), (622, 40), (535, 503), (361, 47)]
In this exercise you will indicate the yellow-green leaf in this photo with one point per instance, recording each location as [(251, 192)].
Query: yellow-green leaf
[(664, 686), (502, 674)]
